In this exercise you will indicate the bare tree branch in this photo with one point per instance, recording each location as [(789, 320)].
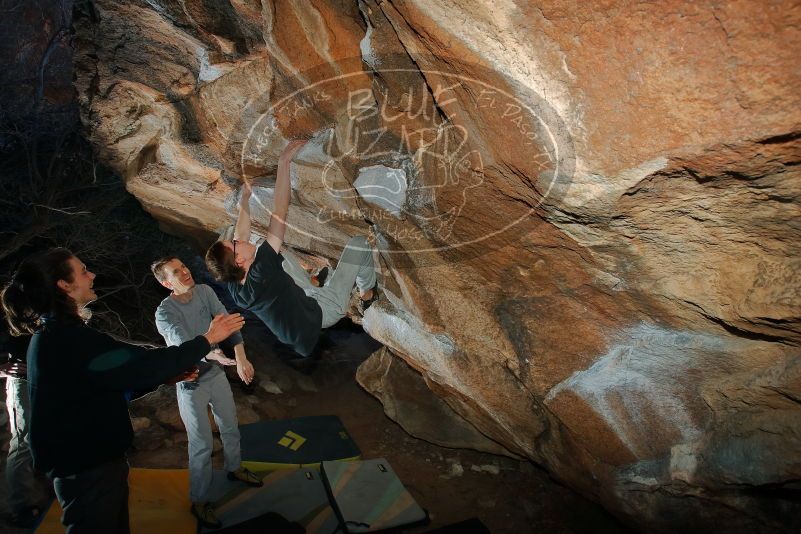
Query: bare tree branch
[(65, 211)]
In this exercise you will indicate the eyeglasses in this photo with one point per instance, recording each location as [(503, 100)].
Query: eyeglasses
[(233, 242)]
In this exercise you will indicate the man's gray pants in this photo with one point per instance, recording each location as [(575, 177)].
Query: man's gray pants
[(19, 466), (211, 388), (355, 266)]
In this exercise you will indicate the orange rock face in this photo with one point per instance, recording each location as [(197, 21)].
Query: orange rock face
[(587, 213)]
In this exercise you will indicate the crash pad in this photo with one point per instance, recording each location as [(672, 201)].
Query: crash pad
[(368, 496), (158, 503), (296, 495), (292, 443)]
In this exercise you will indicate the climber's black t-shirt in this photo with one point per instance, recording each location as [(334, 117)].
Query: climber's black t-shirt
[(270, 293)]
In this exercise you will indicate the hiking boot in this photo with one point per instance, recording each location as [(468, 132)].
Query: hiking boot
[(204, 512), (246, 476)]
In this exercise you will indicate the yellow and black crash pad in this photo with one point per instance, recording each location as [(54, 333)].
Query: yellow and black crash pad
[(292, 443)]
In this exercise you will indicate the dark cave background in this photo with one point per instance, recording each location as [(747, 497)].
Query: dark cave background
[(54, 193)]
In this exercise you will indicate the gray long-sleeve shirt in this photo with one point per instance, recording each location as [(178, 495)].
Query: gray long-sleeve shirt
[(178, 321)]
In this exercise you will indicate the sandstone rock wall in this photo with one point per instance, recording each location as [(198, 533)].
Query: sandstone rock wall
[(587, 213)]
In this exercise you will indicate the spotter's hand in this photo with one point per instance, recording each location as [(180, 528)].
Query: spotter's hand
[(189, 376), (222, 326)]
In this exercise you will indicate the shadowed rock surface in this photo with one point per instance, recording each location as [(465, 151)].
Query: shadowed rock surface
[(587, 215)]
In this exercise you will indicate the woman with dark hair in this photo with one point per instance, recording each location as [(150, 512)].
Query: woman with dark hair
[(79, 426)]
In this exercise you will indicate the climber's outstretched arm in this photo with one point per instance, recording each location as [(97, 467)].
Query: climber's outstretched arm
[(242, 228), (283, 191)]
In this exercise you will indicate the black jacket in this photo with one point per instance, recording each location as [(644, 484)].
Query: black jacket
[(77, 378)]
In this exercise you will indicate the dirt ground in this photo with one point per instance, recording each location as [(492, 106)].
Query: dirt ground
[(453, 485)]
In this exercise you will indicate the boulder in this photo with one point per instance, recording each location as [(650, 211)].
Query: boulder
[(586, 215), (409, 402)]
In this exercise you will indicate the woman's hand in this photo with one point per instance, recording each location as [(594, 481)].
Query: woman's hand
[(222, 326)]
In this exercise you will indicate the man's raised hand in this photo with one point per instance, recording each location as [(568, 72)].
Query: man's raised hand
[(222, 326)]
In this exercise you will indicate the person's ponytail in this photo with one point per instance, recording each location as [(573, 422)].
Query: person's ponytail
[(33, 291), (19, 315)]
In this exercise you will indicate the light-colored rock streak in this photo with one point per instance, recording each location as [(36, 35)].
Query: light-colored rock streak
[(315, 28), (404, 334), (648, 377), (598, 193), (207, 71), (369, 56), (494, 34), (268, 16)]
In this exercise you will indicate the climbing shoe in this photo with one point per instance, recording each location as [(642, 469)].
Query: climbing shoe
[(318, 280), (364, 304), (204, 512), (246, 476)]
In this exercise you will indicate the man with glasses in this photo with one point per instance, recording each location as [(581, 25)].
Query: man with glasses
[(270, 285)]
